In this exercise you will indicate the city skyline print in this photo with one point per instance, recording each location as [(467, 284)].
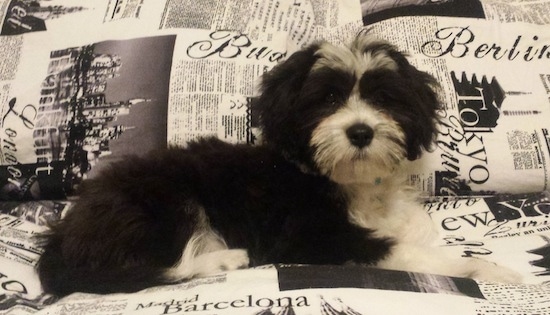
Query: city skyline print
[(90, 97)]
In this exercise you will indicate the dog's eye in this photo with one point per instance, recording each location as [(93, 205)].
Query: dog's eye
[(378, 98), (331, 98)]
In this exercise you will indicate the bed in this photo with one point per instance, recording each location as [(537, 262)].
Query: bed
[(85, 82)]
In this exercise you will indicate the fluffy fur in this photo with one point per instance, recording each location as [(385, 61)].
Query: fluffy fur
[(324, 188)]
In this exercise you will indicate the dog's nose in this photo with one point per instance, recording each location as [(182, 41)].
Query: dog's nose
[(360, 135)]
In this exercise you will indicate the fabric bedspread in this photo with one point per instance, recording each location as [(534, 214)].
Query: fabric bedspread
[(85, 82)]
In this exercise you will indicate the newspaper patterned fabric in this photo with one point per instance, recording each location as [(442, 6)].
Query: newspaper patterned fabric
[(83, 81)]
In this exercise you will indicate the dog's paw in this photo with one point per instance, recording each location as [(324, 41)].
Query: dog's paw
[(234, 259), (208, 264), (220, 261), (490, 272)]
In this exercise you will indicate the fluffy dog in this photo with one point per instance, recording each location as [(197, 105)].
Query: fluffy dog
[(324, 188)]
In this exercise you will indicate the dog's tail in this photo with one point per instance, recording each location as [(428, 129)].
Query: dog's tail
[(61, 278)]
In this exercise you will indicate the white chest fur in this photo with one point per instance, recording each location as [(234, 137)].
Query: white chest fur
[(392, 210)]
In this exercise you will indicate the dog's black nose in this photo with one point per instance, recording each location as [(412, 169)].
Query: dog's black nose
[(360, 135)]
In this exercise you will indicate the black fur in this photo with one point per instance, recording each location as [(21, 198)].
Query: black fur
[(133, 221), (407, 95)]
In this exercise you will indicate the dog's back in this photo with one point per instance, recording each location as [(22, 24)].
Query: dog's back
[(132, 223)]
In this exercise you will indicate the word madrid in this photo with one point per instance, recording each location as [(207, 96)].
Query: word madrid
[(459, 42), (192, 304)]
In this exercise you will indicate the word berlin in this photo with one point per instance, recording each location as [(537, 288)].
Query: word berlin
[(459, 42)]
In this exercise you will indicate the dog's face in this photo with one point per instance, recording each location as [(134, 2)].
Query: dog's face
[(350, 113)]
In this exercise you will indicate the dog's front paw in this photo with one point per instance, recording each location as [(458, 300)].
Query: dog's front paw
[(220, 261), (233, 259), (208, 264), (490, 272)]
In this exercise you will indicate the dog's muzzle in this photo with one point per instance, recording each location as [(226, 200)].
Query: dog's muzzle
[(360, 135)]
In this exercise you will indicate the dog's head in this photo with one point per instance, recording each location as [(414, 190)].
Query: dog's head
[(350, 113)]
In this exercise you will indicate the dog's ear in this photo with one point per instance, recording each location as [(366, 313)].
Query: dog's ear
[(418, 90), (280, 89), (424, 104)]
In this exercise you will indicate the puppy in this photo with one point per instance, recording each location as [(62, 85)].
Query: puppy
[(325, 188)]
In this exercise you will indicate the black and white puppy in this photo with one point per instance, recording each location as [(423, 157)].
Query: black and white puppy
[(325, 188)]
